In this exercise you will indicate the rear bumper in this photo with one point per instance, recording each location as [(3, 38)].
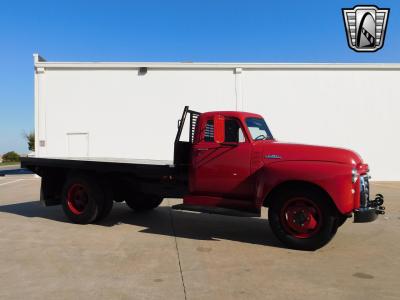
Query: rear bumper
[(371, 212)]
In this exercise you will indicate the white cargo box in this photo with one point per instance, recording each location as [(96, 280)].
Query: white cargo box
[(130, 110)]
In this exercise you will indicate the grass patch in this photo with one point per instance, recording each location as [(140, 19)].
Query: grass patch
[(9, 163)]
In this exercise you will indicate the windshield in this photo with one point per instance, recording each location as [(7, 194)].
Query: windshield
[(258, 129)]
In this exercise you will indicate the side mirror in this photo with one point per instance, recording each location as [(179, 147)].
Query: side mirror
[(219, 129)]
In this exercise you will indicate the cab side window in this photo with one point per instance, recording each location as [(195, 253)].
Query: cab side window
[(209, 131), (233, 132)]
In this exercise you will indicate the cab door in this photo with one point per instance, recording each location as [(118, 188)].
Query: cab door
[(221, 169)]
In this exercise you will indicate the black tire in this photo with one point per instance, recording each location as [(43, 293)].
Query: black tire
[(341, 220), (108, 202), (82, 199), (143, 202), (302, 219)]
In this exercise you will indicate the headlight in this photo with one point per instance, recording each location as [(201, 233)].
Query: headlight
[(354, 175)]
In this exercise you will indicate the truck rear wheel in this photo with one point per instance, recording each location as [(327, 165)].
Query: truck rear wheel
[(302, 219), (107, 204), (143, 202), (82, 199)]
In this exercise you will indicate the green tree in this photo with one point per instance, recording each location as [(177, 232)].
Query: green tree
[(11, 156), (30, 138)]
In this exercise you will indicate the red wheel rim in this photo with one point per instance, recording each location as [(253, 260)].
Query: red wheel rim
[(77, 199), (301, 217)]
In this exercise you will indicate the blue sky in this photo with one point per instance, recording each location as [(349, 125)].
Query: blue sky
[(239, 31)]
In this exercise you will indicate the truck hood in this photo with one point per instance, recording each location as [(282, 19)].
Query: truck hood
[(278, 151)]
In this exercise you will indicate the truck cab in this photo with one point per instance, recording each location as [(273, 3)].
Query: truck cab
[(236, 164), (224, 158)]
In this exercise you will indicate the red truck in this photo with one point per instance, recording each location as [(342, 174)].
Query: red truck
[(231, 165)]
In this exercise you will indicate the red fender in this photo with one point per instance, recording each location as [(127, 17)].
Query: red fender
[(334, 178)]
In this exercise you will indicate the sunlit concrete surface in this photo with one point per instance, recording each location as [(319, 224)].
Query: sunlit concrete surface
[(166, 254)]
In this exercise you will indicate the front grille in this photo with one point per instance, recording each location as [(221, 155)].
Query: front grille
[(364, 190)]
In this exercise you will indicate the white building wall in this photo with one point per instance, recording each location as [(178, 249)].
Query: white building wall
[(356, 109), (109, 110), (123, 114)]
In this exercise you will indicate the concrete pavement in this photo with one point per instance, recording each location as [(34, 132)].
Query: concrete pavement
[(166, 254)]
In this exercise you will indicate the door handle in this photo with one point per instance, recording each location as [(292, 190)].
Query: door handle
[(202, 149)]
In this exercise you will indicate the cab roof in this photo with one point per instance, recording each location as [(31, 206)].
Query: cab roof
[(236, 114)]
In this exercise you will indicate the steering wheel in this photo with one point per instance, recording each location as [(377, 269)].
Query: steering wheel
[(260, 137)]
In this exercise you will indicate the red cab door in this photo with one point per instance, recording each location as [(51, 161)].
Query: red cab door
[(221, 170)]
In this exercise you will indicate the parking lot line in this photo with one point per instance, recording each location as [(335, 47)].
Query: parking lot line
[(9, 182), (17, 180)]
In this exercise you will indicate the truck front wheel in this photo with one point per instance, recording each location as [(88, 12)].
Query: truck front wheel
[(143, 202), (82, 199), (302, 219)]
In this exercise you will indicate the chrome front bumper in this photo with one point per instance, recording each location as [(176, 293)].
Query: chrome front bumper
[(370, 211)]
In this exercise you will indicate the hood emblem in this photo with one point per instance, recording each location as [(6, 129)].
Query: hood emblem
[(273, 156)]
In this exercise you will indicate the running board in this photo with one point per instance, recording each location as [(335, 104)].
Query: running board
[(215, 210)]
